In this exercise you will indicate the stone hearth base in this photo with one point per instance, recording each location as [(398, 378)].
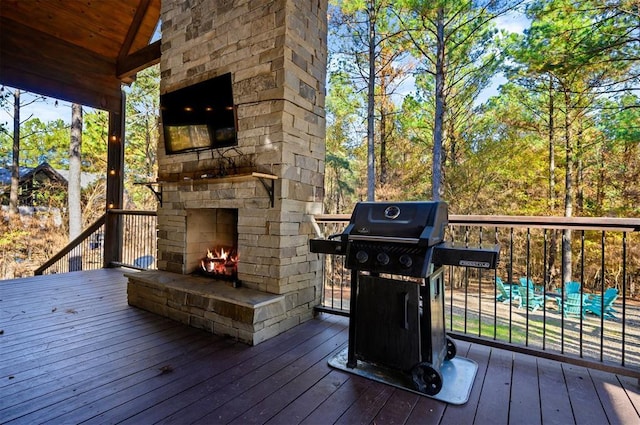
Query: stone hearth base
[(245, 314)]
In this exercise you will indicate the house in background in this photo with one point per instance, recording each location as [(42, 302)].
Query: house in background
[(40, 184)]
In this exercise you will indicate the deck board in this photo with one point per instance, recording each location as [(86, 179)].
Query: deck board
[(554, 396), (496, 389), (73, 351), (587, 408), (525, 369)]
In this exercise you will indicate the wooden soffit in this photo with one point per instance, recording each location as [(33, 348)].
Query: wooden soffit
[(78, 51)]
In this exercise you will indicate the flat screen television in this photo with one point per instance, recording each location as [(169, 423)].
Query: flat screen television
[(201, 116)]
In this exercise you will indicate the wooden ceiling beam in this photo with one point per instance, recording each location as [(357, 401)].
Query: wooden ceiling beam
[(128, 66), (141, 12)]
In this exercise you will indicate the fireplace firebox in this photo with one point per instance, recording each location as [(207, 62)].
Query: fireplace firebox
[(212, 242)]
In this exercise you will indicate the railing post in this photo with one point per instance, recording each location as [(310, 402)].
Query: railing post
[(115, 184)]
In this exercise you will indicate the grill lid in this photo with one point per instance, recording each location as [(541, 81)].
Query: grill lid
[(421, 223)]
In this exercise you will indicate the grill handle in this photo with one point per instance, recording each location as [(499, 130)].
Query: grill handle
[(384, 239), (403, 301)]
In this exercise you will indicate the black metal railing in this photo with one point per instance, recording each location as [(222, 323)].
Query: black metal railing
[(86, 252), (139, 239), (604, 252)]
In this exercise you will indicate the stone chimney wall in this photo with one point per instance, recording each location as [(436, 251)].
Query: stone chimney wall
[(276, 54)]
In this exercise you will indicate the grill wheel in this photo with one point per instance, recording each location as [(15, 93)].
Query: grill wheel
[(426, 379), (451, 349)]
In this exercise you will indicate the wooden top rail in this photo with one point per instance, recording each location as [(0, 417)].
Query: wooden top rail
[(576, 223), (132, 212)]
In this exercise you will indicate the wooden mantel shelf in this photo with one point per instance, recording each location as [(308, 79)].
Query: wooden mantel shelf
[(219, 179), (267, 181)]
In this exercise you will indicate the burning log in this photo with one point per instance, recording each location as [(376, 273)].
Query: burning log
[(220, 262)]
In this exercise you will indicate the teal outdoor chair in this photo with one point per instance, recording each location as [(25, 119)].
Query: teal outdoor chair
[(506, 292), (526, 282), (573, 305), (572, 288), (529, 299), (605, 309), (531, 285)]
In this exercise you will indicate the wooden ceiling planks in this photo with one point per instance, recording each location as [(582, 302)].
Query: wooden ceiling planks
[(80, 51)]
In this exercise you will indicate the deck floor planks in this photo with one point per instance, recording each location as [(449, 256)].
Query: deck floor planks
[(493, 405), (587, 408), (525, 391), (632, 390), (147, 400), (330, 410), (276, 398), (211, 375), (86, 350), (365, 408), (555, 406), (225, 372), (63, 390), (57, 342), (110, 358), (131, 384), (87, 366), (16, 341), (397, 408), (253, 387), (617, 405), (306, 403), (193, 403)]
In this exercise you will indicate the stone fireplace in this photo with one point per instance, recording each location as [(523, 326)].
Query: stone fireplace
[(259, 194)]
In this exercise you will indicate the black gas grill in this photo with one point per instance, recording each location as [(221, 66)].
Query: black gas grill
[(395, 322)]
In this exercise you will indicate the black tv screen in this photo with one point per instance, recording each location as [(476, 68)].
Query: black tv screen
[(201, 116)]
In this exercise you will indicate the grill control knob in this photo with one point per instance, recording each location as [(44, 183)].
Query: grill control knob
[(383, 258), (405, 260), (362, 256)]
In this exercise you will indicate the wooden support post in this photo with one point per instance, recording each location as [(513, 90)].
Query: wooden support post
[(115, 186)]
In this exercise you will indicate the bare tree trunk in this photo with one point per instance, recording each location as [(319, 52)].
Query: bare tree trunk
[(579, 174), (15, 160), (601, 180), (371, 169), (568, 196), (552, 184), (438, 125), (383, 142), (74, 188), (552, 156)]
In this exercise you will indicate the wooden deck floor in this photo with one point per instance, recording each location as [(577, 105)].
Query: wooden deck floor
[(73, 351)]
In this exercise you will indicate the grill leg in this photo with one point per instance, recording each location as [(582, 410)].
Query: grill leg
[(353, 313)]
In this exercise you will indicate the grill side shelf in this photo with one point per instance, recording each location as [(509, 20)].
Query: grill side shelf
[(327, 246), (448, 254)]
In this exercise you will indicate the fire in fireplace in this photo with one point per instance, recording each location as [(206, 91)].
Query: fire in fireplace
[(220, 262), (212, 243)]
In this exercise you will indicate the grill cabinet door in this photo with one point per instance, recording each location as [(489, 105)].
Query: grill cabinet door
[(388, 322)]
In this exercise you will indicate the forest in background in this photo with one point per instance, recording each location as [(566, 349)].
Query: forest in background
[(407, 118), (561, 137)]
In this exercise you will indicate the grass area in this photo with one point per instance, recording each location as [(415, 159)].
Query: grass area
[(487, 329)]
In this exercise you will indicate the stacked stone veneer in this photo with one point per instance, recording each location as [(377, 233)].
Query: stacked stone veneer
[(276, 54), (244, 314)]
